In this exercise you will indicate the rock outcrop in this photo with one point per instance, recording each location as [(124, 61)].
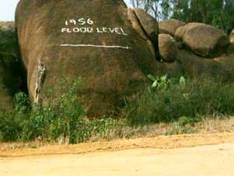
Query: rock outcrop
[(167, 47), (170, 26), (196, 66), (199, 49), (204, 40), (111, 49), (91, 40), (146, 26)]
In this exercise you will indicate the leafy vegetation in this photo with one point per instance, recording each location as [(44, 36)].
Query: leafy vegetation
[(62, 121), (178, 101), (169, 100), (219, 13)]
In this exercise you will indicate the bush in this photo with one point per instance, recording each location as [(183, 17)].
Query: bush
[(63, 120), (9, 127), (180, 101), (167, 100)]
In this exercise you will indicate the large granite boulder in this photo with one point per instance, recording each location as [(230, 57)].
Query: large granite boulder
[(167, 47), (204, 40), (180, 31), (91, 40), (170, 26)]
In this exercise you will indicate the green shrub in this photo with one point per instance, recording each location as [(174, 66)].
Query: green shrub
[(10, 126), (63, 120), (175, 98), (180, 101), (22, 102)]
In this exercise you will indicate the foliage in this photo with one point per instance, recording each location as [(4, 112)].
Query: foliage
[(160, 9), (173, 99), (8, 44), (179, 101), (22, 102), (9, 127), (219, 13), (62, 121), (159, 82)]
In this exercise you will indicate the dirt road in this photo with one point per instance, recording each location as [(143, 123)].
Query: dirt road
[(205, 160)]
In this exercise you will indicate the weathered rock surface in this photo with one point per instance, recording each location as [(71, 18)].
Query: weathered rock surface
[(196, 66), (167, 47), (93, 40), (170, 26), (204, 40), (180, 31), (146, 26), (169, 68), (136, 24)]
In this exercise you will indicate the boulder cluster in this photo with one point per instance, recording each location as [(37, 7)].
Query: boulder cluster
[(198, 48), (111, 49)]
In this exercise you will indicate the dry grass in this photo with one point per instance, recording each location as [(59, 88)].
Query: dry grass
[(206, 127)]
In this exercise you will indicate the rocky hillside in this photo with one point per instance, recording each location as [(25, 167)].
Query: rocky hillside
[(111, 49)]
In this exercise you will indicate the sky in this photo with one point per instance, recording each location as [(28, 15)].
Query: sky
[(7, 9)]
